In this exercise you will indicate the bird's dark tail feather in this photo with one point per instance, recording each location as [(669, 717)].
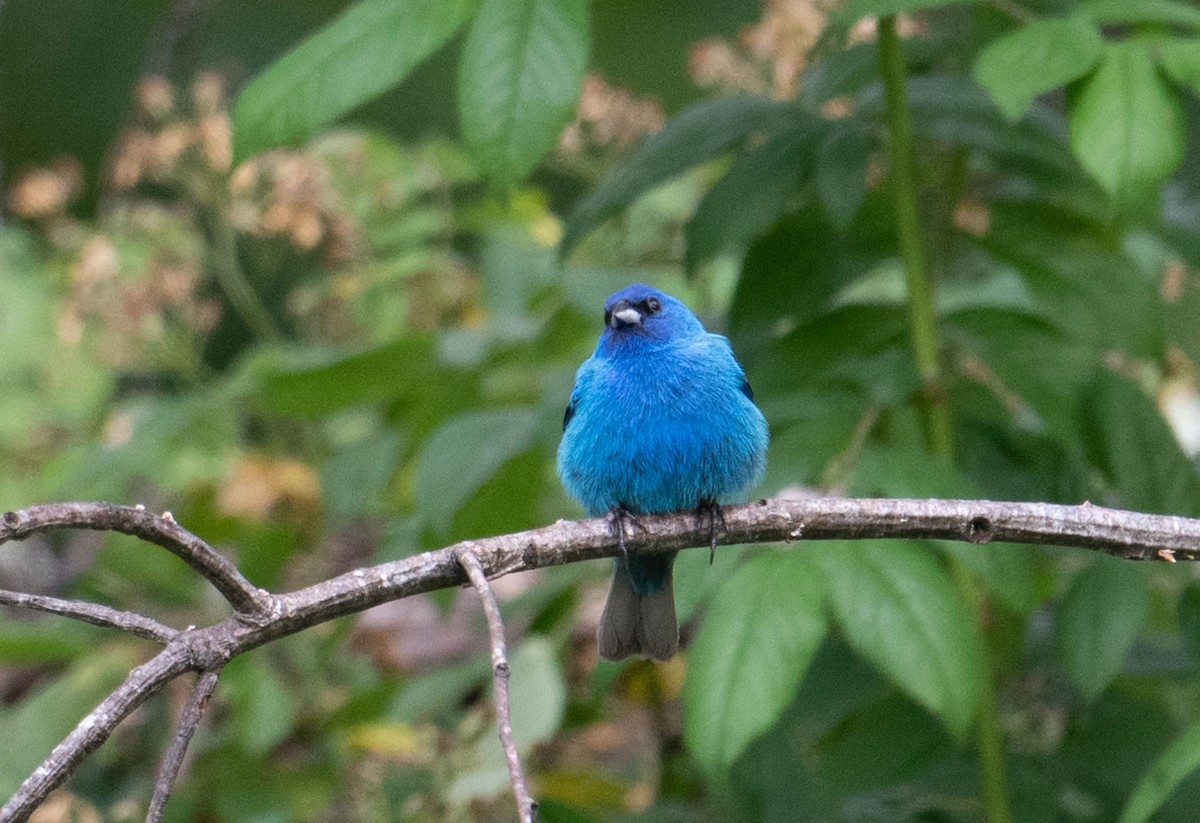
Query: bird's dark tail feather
[(638, 624)]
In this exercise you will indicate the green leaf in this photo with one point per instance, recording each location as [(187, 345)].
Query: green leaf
[(1035, 59), (1189, 619), (1126, 124), (393, 370), (264, 711), (753, 648), (752, 195), (1180, 59), (537, 695), (899, 609), (696, 134), (1165, 12), (792, 274), (518, 81), (1179, 760), (1100, 616), (841, 172), (32, 642), (893, 735), (854, 9), (1131, 442), (33, 726), (354, 478), (371, 47), (463, 453)]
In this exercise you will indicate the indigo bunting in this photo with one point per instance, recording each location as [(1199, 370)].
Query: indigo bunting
[(661, 419)]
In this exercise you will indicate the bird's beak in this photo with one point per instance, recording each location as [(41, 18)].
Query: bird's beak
[(624, 314)]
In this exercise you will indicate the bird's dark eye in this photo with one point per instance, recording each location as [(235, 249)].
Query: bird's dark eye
[(652, 305), (607, 317)]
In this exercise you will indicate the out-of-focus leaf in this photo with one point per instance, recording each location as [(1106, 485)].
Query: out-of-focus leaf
[(1006, 571), (263, 709), (752, 195), (1179, 760), (746, 664), (854, 9), (793, 272), (537, 695), (28, 642), (391, 371), (518, 81), (1168, 12), (42, 719), (1131, 442), (841, 172), (696, 134), (1034, 362), (437, 695), (1099, 618), (894, 736), (842, 347), (181, 440), (461, 455), (1085, 285), (1180, 59), (953, 109), (1189, 619), (355, 477), (371, 47), (900, 610), (1035, 59), (1126, 124)]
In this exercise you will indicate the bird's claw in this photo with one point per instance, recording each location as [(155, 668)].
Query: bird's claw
[(617, 518), (711, 510)]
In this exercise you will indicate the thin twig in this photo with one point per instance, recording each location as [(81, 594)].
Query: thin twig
[(526, 806), (93, 613), (141, 684), (193, 712), (1124, 534), (161, 530)]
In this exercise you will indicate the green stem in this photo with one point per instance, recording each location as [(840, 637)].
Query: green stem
[(233, 281), (935, 418), (991, 743)]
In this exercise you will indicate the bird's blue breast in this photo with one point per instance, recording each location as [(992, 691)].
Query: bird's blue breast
[(660, 428)]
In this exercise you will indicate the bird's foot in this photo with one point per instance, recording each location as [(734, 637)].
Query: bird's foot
[(710, 511), (617, 518)]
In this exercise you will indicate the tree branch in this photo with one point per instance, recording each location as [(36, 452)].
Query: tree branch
[(93, 613), (193, 712), (1129, 535), (526, 807), (161, 530)]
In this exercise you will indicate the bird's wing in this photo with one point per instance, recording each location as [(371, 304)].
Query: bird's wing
[(721, 343), (569, 413), (745, 387)]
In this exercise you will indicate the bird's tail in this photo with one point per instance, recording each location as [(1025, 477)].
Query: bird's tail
[(640, 620)]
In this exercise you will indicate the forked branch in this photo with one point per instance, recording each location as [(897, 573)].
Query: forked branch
[(260, 617)]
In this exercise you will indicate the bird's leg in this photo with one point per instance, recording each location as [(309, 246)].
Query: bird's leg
[(618, 516), (710, 510)]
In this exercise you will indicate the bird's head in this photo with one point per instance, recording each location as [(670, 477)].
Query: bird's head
[(642, 313)]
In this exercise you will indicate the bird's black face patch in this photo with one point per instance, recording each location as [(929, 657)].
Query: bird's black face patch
[(626, 314)]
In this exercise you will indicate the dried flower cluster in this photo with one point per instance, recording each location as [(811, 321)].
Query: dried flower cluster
[(769, 56), (171, 144), (133, 293), (608, 118), (288, 195), (46, 193)]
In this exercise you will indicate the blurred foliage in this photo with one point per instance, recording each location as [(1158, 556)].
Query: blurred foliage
[(358, 346)]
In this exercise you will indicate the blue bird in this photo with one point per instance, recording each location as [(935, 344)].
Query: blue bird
[(661, 419)]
